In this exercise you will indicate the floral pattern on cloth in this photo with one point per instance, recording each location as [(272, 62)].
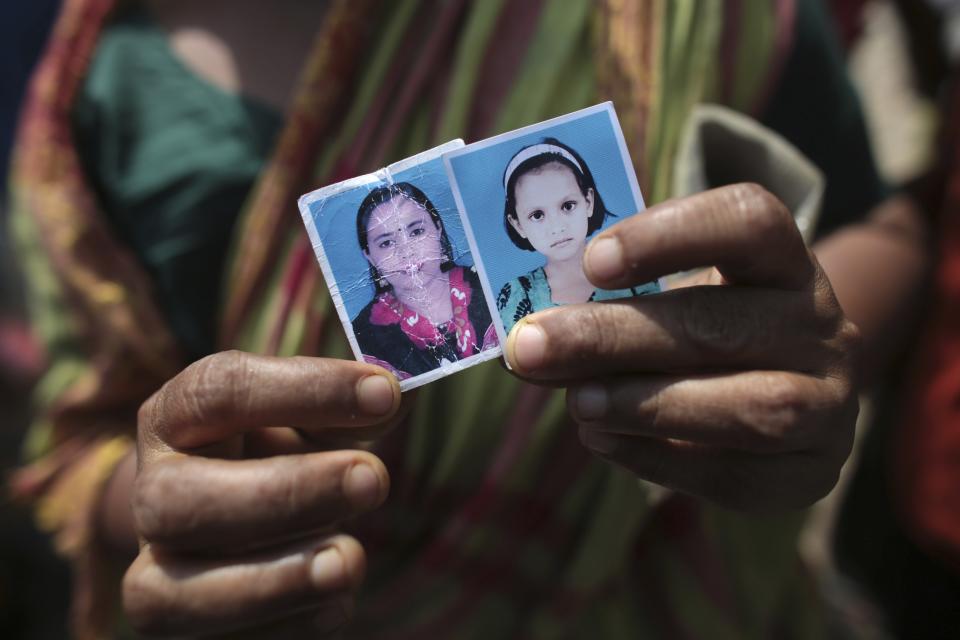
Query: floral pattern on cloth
[(531, 292), (424, 334)]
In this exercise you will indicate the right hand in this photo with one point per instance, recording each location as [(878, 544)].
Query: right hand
[(236, 515)]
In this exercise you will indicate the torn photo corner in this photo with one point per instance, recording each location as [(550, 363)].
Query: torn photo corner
[(400, 271), (431, 261)]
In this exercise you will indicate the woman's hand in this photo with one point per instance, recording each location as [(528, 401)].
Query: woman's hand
[(738, 390), (237, 515)]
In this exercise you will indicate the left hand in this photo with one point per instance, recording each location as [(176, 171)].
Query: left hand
[(739, 390)]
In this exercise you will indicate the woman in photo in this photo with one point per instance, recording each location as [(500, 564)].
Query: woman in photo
[(552, 207), (427, 310)]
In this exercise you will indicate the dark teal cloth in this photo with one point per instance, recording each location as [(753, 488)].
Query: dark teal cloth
[(172, 159)]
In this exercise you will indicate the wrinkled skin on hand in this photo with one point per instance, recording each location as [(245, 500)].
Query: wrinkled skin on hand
[(736, 387), (237, 516)]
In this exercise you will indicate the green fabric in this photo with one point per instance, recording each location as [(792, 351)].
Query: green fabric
[(172, 159), (689, 69), (53, 325)]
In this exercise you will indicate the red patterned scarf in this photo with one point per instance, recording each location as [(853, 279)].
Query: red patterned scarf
[(388, 310)]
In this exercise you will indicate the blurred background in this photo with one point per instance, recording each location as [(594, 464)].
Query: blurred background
[(34, 582), (900, 54)]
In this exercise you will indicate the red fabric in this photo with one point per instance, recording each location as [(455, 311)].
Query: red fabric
[(928, 452), (388, 310)]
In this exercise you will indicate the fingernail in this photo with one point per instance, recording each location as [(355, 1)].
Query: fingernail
[(591, 402), (375, 395), (529, 347), (362, 485), (601, 443), (327, 570), (330, 618), (604, 259)]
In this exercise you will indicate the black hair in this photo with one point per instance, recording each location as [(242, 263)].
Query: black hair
[(384, 194), (582, 175)]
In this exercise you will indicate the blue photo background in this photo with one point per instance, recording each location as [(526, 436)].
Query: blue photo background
[(479, 176), (336, 223)]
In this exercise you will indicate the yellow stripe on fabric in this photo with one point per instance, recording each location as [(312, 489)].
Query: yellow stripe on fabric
[(470, 54), (63, 510), (557, 40), (52, 321)]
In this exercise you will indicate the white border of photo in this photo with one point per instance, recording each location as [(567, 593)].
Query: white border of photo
[(386, 176)]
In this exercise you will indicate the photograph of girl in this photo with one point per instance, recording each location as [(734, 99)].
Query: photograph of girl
[(532, 198), (552, 207), (427, 310)]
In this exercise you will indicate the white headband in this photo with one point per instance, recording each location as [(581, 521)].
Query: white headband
[(537, 150)]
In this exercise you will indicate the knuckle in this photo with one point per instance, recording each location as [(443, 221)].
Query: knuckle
[(161, 504), (214, 388), (842, 427), (763, 211), (354, 567), (324, 372), (774, 417), (294, 497), (147, 601), (849, 337), (146, 413), (708, 324), (355, 560), (764, 215), (587, 336)]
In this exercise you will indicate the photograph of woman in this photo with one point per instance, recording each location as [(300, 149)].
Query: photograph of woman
[(552, 207), (427, 310)]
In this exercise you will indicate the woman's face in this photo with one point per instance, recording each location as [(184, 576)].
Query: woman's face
[(552, 213), (403, 243)]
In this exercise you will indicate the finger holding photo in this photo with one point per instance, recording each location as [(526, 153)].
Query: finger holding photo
[(741, 392)]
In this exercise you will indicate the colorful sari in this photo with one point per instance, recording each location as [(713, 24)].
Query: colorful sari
[(499, 524)]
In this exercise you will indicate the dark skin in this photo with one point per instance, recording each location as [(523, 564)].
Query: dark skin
[(737, 389), (236, 517), (740, 393)]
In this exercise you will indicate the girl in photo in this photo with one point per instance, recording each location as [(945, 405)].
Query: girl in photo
[(552, 207), (427, 310)]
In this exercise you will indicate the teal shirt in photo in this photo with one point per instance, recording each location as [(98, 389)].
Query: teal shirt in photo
[(530, 293)]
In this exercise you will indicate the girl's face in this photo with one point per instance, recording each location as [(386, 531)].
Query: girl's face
[(403, 243), (552, 213)]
